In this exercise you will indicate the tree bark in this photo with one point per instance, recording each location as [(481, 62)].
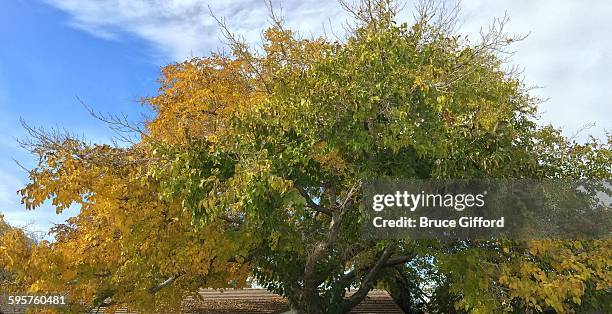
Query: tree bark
[(368, 281)]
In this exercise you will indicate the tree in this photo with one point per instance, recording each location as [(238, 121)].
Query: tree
[(5, 275), (15, 247), (253, 163)]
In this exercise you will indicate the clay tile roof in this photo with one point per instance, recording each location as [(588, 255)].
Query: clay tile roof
[(236, 301), (251, 301), (261, 301)]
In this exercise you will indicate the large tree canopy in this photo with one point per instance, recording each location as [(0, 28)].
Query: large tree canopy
[(251, 169)]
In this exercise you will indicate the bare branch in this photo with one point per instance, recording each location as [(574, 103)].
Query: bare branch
[(580, 131), (240, 49), (117, 122), (441, 17), (20, 165), (44, 143), (349, 195), (275, 19)]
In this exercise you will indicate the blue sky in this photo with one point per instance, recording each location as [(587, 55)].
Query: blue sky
[(44, 65), (108, 53)]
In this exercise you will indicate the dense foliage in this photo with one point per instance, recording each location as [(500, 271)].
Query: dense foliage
[(252, 166)]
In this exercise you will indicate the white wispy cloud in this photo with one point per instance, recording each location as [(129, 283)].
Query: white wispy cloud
[(180, 29), (567, 53)]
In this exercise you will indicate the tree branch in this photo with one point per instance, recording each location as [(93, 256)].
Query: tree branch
[(310, 203), (241, 50), (349, 195), (311, 280), (368, 281), (169, 281), (347, 279), (399, 260)]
